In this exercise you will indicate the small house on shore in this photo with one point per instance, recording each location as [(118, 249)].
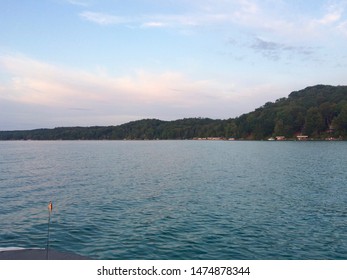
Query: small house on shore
[(302, 137)]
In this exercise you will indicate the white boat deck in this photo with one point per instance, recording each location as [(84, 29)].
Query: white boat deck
[(38, 254)]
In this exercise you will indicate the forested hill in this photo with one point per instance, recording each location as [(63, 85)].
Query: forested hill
[(319, 112)]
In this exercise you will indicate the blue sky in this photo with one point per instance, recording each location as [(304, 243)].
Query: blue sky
[(107, 62)]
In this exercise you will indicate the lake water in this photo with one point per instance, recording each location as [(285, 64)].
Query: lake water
[(176, 199)]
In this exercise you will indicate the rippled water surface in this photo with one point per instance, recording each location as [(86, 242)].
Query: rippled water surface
[(176, 199)]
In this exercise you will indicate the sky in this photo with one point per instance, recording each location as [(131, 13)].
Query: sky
[(108, 62)]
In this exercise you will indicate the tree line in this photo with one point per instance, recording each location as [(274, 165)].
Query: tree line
[(318, 112)]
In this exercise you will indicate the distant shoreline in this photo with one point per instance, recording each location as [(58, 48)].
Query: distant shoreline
[(154, 140), (312, 114)]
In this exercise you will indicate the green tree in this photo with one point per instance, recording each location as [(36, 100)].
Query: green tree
[(340, 122), (328, 111), (279, 128), (314, 122)]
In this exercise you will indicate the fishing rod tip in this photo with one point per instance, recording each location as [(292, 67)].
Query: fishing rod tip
[(50, 206)]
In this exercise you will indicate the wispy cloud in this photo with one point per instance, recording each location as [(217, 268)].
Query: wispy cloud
[(330, 18), (154, 24), (36, 82), (276, 51), (102, 18), (342, 27), (254, 15), (83, 3), (278, 19), (155, 21), (196, 13), (328, 23), (79, 96)]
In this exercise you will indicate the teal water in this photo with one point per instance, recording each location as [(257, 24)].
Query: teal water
[(176, 199)]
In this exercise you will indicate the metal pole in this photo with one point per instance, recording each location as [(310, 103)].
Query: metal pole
[(50, 208)]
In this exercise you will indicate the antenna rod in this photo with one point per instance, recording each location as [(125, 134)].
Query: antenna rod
[(50, 208)]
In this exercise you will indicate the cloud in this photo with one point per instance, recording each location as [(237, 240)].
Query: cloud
[(154, 24), (330, 18), (275, 51), (342, 27), (282, 19), (102, 18), (329, 21), (36, 94), (151, 21), (271, 17), (196, 13), (83, 3), (140, 93)]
